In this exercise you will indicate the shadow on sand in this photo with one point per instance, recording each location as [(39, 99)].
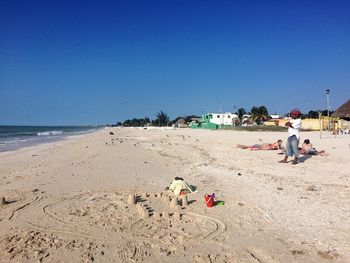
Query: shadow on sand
[(304, 158)]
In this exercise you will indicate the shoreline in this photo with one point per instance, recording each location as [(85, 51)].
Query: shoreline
[(17, 143)]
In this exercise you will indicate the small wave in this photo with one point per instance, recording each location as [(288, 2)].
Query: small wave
[(48, 133), (12, 142)]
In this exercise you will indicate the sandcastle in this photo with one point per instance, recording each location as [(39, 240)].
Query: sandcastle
[(132, 200), (156, 215), (177, 214), (174, 202), (145, 209), (184, 200), (3, 201), (165, 215)]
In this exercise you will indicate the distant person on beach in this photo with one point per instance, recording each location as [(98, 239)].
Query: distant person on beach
[(335, 128), (265, 146), (344, 131), (294, 126), (308, 149)]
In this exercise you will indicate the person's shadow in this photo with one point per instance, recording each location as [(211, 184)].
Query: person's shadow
[(304, 158)]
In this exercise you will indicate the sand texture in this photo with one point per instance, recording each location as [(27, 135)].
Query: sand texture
[(101, 198)]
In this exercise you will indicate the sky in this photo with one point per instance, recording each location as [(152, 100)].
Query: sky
[(98, 62)]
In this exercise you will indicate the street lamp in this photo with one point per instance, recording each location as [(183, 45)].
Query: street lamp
[(327, 93)]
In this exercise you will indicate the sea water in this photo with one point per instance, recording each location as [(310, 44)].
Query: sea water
[(15, 137)]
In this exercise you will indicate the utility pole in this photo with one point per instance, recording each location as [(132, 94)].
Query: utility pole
[(327, 94), (233, 118), (320, 123)]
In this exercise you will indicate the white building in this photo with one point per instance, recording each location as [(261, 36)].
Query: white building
[(274, 116), (227, 118)]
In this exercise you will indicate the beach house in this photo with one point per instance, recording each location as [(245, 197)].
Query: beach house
[(216, 121)]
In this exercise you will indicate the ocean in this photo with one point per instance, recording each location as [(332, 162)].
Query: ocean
[(15, 137)]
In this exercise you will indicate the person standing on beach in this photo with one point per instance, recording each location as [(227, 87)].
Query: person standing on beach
[(293, 137)]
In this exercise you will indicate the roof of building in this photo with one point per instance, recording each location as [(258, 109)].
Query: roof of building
[(181, 121), (343, 111), (224, 114), (196, 119)]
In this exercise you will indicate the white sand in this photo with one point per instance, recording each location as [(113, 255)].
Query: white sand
[(67, 201)]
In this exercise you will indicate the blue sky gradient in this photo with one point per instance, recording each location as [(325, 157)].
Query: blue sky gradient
[(97, 62)]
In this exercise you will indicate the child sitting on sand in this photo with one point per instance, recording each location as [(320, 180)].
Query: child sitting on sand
[(179, 186), (307, 149), (265, 146)]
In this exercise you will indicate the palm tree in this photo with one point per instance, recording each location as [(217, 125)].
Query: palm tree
[(162, 119), (241, 112), (259, 114)]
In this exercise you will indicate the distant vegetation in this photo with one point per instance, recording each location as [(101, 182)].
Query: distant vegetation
[(259, 128), (315, 114), (162, 119), (258, 114), (135, 122)]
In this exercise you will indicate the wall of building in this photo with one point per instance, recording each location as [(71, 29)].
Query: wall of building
[(314, 124), (223, 118)]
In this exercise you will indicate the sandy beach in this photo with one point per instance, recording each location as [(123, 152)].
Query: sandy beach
[(68, 201)]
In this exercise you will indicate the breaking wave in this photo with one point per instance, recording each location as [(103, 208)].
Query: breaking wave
[(49, 133)]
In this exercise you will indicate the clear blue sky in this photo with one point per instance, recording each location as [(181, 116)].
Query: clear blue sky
[(97, 62)]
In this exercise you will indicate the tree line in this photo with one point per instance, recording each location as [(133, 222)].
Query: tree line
[(258, 114), (162, 119)]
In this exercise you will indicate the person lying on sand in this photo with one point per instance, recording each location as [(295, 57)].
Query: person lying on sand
[(265, 146), (308, 149)]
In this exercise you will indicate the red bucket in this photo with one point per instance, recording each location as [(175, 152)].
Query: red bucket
[(209, 200)]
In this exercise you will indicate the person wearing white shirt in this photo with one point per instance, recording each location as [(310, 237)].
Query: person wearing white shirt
[(292, 146)]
